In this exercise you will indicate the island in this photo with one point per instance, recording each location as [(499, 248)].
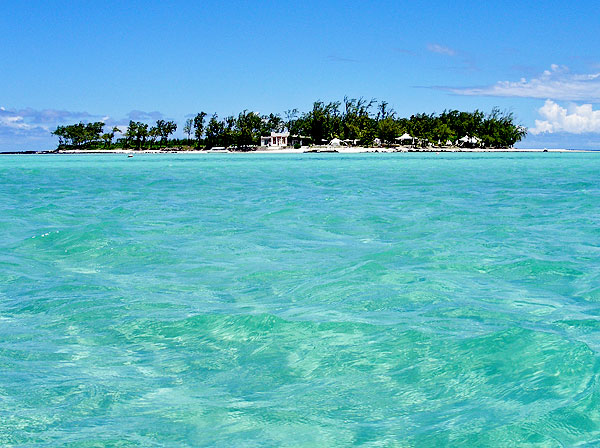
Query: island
[(351, 125)]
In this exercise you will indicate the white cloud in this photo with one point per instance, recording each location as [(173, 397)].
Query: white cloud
[(13, 121), (440, 49), (18, 122), (575, 119), (29, 118), (558, 83)]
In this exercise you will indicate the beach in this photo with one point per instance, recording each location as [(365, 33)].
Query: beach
[(320, 149)]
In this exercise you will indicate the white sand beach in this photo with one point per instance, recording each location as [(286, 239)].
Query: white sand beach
[(320, 149)]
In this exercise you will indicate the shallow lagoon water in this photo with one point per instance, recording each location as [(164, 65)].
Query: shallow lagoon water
[(300, 300)]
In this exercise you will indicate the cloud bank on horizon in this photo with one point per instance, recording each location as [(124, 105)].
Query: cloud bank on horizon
[(28, 128), (574, 120), (22, 127), (556, 84)]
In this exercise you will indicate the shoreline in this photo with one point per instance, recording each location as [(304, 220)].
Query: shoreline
[(303, 150)]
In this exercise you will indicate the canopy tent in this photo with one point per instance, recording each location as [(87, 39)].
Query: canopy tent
[(404, 137), (469, 140), (337, 142)]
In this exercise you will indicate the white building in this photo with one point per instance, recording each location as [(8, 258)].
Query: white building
[(278, 139)]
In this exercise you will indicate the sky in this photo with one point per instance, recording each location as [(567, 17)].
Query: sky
[(62, 62)]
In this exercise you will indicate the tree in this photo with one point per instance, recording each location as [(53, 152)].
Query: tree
[(164, 129), (107, 139), (93, 131), (291, 116), (271, 123), (137, 133), (141, 135), (357, 122), (61, 133), (442, 133), (188, 127), (322, 123), (214, 131), (229, 131), (249, 126), (199, 126), (387, 130), (384, 112), (80, 135), (153, 135), (130, 133), (109, 136)]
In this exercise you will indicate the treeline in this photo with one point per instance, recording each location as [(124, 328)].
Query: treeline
[(138, 135), (364, 122), (356, 121), (242, 132)]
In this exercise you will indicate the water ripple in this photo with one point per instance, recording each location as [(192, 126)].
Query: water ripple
[(367, 300)]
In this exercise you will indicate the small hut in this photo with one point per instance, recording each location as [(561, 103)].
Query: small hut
[(406, 139), (278, 139)]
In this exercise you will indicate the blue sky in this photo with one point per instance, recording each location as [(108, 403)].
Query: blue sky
[(66, 61)]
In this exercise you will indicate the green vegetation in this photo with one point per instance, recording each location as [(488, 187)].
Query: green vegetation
[(357, 122), (137, 136)]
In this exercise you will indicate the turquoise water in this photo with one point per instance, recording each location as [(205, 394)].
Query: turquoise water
[(300, 300)]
